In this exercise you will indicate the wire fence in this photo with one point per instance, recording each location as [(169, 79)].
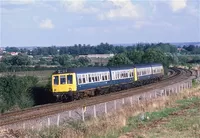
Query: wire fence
[(95, 111)]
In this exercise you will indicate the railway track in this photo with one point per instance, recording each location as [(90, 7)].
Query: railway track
[(50, 109)]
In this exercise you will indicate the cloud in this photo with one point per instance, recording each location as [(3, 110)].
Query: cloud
[(121, 9), (140, 24), (46, 24), (78, 6), (19, 2), (178, 5), (193, 11)]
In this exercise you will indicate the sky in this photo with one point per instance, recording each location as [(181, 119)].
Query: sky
[(69, 22)]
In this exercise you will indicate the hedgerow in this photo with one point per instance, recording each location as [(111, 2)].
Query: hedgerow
[(15, 92)]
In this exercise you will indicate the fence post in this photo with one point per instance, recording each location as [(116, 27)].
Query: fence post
[(138, 100), (131, 99), (70, 113), (155, 94), (83, 114), (165, 92), (49, 122), (95, 114), (58, 120), (115, 104), (24, 127), (105, 107)]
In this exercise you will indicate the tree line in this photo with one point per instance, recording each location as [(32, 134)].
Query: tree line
[(102, 48), (66, 56)]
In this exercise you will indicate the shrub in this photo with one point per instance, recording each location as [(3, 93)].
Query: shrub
[(15, 92)]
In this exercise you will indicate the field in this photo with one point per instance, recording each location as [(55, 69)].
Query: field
[(42, 76), (180, 121)]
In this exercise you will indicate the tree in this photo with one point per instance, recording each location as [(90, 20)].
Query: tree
[(18, 60), (155, 56), (84, 61), (14, 91), (119, 59), (12, 49), (64, 60), (135, 56)]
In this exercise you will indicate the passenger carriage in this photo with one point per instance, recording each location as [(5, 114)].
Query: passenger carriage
[(77, 82)]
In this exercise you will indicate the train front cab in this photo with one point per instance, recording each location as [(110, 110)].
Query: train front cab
[(63, 84)]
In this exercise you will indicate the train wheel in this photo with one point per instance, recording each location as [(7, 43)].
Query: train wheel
[(71, 96), (102, 92), (64, 98), (77, 96), (58, 98)]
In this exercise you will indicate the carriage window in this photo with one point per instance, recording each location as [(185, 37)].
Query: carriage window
[(55, 80), (93, 78), (83, 78), (126, 74), (98, 79), (90, 79), (106, 78), (103, 78), (62, 79), (122, 75), (139, 73), (69, 79)]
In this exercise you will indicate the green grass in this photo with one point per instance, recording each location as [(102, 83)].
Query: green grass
[(183, 120), (180, 119)]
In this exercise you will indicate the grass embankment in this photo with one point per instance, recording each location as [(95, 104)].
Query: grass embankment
[(173, 116)]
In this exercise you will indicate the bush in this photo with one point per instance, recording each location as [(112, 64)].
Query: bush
[(15, 92)]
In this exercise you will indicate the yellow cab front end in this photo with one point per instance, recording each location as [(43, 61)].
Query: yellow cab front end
[(63, 84)]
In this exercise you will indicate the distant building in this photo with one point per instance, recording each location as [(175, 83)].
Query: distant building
[(97, 55), (98, 59), (180, 49), (14, 53)]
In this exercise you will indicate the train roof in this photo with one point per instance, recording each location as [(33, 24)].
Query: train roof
[(147, 65), (104, 69), (121, 67), (83, 70)]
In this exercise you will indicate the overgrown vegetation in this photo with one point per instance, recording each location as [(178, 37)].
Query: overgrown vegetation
[(15, 92)]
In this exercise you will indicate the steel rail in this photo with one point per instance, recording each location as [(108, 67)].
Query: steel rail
[(49, 109)]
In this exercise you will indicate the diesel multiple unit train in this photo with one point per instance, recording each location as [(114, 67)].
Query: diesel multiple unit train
[(74, 83)]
